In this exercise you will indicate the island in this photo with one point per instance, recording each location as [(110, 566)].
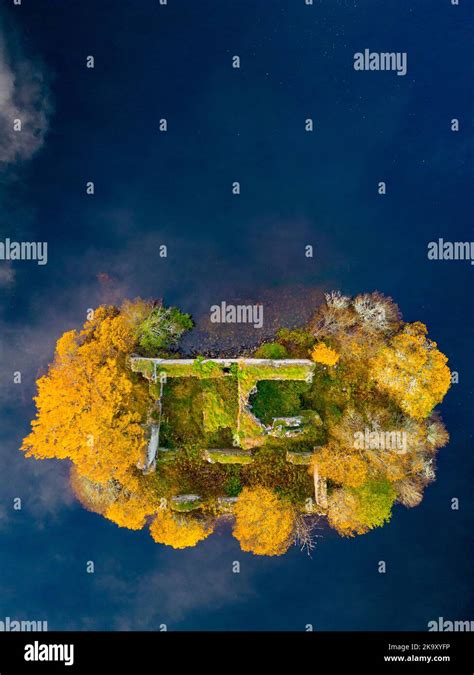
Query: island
[(330, 422)]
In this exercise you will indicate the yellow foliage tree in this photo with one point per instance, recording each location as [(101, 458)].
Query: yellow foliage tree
[(339, 466), (90, 406), (130, 511), (96, 497), (264, 524), (412, 371), (325, 355), (177, 530), (126, 507), (342, 513)]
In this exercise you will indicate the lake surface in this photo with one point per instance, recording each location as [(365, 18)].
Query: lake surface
[(298, 188)]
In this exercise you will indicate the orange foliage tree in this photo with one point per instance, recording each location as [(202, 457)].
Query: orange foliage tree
[(95, 497), (126, 507), (264, 524), (342, 513), (340, 466), (91, 407), (412, 371), (324, 354), (178, 530), (130, 511)]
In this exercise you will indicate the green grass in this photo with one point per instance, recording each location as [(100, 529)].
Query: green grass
[(182, 424), (277, 399), (220, 405)]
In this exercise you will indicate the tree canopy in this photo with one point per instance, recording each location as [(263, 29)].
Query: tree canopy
[(264, 523), (178, 531)]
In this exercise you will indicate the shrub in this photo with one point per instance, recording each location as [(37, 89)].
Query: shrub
[(162, 329), (325, 355), (271, 350)]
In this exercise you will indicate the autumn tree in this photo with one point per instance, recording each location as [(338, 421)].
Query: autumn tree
[(437, 435), (333, 317), (412, 371), (341, 315), (356, 328), (264, 524), (376, 313), (130, 510), (179, 530), (342, 512), (357, 510), (354, 450), (324, 355), (95, 497), (375, 501), (90, 406), (340, 466), (409, 492)]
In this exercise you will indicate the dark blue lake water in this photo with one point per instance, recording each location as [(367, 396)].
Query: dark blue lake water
[(297, 189)]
